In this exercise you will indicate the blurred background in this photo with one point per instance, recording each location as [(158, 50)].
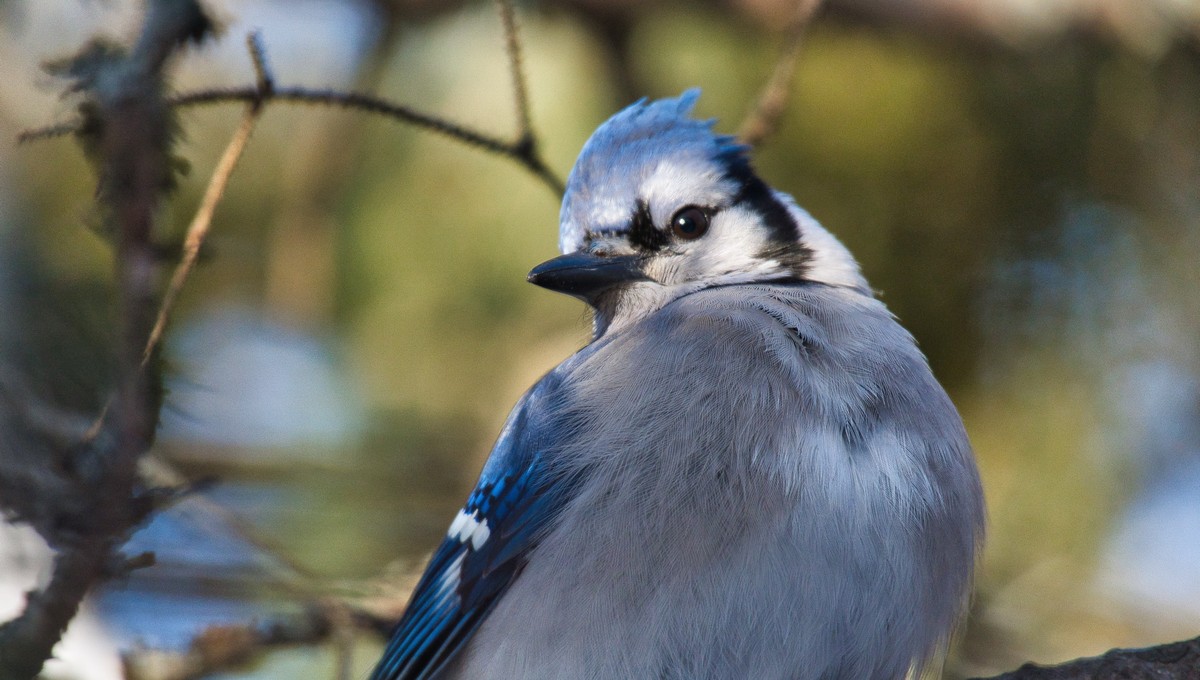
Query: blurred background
[(1018, 179)]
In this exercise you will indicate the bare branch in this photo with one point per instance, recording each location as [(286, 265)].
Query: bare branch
[(1175, 660), (26, 642), (377, 105), (199, 227), (222, 648), (342, 625), (198, 230), (258, 55), (130, 141), (520, 151), (512, 46), (523, 149), (49, 132), (219, 648), (763, 119)]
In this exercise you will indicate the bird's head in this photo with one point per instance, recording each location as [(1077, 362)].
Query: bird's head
[(659, 206)]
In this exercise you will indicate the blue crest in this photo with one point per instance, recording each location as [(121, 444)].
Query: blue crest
[(602, 189)]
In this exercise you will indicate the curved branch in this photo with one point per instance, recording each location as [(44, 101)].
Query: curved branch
[(1175, 660), (523, 150), (519, 151)]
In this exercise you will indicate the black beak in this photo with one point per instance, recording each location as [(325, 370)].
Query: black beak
[(585, 276)]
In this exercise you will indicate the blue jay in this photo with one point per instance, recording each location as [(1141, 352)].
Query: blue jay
[(750, 471)]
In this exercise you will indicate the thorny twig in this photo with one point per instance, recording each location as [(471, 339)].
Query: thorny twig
[(763, 119), (48, 132), (516, 151), (520, 151), (523, 149), (129, 138)]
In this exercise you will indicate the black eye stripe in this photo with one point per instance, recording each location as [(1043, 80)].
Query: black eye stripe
[(642, 232)]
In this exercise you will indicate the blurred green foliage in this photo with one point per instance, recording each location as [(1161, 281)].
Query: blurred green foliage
[(940, 162)]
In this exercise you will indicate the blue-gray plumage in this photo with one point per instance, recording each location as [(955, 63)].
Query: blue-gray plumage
[(750, 472)]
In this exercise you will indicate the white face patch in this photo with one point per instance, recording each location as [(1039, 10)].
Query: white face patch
[(729, 253), (678, 182), (734, 241), (469, 527), (732, 246)]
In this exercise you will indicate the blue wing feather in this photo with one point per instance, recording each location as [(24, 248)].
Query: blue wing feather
[(481, 556)]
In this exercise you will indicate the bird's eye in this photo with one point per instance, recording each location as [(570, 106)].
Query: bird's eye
[(690, 223)]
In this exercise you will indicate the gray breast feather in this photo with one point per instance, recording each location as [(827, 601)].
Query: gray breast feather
[(771, 474)]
